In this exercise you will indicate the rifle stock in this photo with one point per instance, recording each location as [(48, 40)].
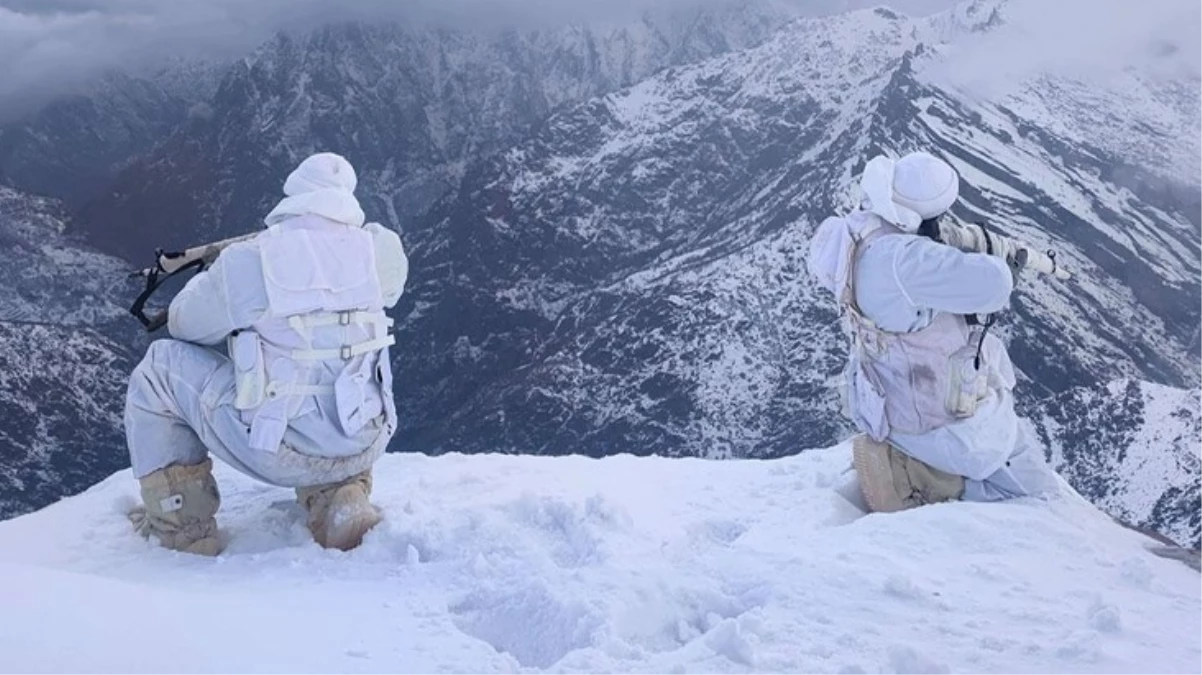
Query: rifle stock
[(169, 264)]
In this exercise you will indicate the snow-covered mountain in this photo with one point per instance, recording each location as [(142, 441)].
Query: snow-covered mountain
[(1147, 434), (64, 304), (66, 349), (409, 105), (632, 275), (73, 148), (1118, 76), (569, 564), (47, 274), (607, 227)]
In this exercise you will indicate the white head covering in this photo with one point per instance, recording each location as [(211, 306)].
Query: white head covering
[(903, 192), (910, 190), (322, 171), (323, 185)]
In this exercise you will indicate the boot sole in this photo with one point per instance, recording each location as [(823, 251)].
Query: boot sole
[(875, 476)]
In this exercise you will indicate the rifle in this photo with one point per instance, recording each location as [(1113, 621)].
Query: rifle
[(975, 238), (169, 264)]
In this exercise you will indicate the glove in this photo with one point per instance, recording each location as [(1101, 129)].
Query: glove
[(1017, 261), (157, 321), (1014, 254)]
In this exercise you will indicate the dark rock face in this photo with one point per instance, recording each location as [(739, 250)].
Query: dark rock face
[(1132, 448), (61, 401), (409, 106), (65, 354), (631, 278), (73, 148)]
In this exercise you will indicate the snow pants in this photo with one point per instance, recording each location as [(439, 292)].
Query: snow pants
[(180, 407), (1024, 473)]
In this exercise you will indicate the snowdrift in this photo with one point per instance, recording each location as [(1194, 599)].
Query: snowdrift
[(530, 564)]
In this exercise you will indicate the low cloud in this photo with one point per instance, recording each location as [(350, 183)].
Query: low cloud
[(1084, 38), (52, 46), (1130, 72)]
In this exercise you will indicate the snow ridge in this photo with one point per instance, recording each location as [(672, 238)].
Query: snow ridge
[(505, 564)]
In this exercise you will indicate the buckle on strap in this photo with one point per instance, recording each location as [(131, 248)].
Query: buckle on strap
[(344, 318), (346, 352), (172, 503)]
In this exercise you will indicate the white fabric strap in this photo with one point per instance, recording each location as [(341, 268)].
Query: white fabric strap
[(303, 324), (345, 352), (276, 389), (354, 317)]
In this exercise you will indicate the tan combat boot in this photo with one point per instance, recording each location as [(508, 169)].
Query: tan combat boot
[(178, 507), (893, 481), (340, 513)]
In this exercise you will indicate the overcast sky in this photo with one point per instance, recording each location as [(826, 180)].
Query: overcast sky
[(48, 46), (1087, 39)]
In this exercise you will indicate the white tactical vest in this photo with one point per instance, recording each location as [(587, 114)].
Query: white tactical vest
[(910, 383), (324, 334)]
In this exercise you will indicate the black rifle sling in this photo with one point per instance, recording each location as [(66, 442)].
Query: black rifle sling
[(154, 280)]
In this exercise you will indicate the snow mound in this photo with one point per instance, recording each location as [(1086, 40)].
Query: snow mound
[(570, 564)]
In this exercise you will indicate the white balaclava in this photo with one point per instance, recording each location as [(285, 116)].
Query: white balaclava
[(910, 190), (323, 185)]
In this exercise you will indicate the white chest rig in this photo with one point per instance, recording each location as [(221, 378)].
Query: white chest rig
[(913, 382), (324, 334)]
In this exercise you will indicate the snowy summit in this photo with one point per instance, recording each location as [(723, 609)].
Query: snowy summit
[(531, 564)]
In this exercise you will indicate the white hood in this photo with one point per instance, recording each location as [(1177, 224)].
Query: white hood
[(323, 185), (907, 191)]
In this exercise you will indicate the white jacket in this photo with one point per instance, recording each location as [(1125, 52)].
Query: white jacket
[(301, 306), (904, 284), (230, 294)]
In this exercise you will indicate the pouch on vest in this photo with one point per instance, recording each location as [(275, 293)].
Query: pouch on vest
[(358, 397), (271, 419), (968, 381), (384, 377), (267, 429), (865, 401), (250, 375)]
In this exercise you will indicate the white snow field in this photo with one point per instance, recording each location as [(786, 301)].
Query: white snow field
[(532, 564)]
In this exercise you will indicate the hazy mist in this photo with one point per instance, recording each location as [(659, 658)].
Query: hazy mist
[(49, 47)]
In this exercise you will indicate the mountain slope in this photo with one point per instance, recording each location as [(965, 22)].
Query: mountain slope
[(409, 105), (66, 349), (495, 564), (1147, 434), (632, 276), (61, 398), (74, 147)]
